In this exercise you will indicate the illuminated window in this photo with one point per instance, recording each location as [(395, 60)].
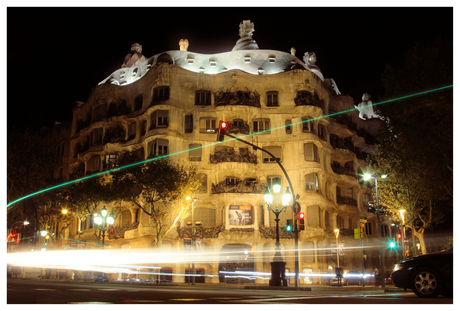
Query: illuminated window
[(111, 161), (208, 125), (157, 147), (202, 98), (158, 119), (276, 151), (272, 98), (311, 182), (311, 152), (206, 216), (261, 125)]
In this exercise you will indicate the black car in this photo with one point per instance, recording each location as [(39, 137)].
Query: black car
[(427, 275)]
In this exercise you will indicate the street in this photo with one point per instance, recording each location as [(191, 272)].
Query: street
[(57, 292)]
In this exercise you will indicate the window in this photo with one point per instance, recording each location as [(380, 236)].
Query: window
[(350, 223), (190, 59), (189, 123), (126, 218), (208, 125), (276, 151), (261, 125), (202, 98), (368, 228), (310, 252), (157, 147), (313, 216), (159, 118), (96, 137), (349, 193), (308, 125), (327, 220), (340, 222), (138, 102), (94, 164), (272, 98), (366, 199), (271, 58), (143, 127), (204, 183), (207, 216), (272, 180), (349, 165), (312, 182), (111, 161), (194, 153), (212, 62), (311, 152), (160, 93), (322, 132), (288, 127), (247, 58), (132, 131), (100, 112)]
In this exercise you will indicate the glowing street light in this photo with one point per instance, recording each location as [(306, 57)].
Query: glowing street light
[(102, 221), (278, 266)]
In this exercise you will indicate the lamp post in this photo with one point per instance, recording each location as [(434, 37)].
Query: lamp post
[(192, 246), (401, 212), (65, 211), (278, 265), (102, 221), (378, 212), (337, 232)]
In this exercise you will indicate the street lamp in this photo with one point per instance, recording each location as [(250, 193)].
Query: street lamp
[(337, 232), (401, 212), (278, 265), (192, 246), (378, 212), (102, 221)]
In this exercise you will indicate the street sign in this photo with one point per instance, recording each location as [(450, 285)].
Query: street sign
[(359, 233)]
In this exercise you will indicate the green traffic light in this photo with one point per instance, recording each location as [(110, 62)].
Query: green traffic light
[(392, 244)]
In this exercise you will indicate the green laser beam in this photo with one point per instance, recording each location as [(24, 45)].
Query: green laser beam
[(212, 144)]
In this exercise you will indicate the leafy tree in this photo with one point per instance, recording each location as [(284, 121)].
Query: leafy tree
[(417, 141), (29, 164), (159, 188)]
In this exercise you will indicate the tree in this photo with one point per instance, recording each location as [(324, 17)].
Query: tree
[(29, 164), (416, 147), (159, 188)]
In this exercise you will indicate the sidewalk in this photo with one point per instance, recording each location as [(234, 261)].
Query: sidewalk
[(316, 288)]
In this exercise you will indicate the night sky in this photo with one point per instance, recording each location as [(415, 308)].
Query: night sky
[(57, 55)]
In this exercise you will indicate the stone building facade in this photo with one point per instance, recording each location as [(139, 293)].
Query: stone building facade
[(172, 102)]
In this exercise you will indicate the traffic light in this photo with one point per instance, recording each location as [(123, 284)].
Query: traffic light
[(223, 127), (392, 244), (399, 235), (288, 225), (301, 219)]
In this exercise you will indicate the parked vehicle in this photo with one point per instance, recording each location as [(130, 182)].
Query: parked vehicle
[(349, 278), (427, 275)]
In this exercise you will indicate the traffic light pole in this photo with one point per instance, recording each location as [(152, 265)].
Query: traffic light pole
[(296, 233)]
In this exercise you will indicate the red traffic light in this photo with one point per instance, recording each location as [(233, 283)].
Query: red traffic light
[(301, 215), (399, 235), (223, 125)]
